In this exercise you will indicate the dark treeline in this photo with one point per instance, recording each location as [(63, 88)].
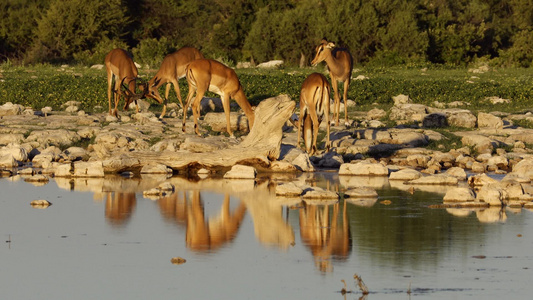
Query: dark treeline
[(381, 32)]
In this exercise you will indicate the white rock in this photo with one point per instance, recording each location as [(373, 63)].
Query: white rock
[(241, 172)]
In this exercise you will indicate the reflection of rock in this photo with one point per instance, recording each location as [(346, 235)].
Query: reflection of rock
[(288, 189), (363, 192), (459, 212), (376, 182), (491, 215), (364, 202), (41, 204)]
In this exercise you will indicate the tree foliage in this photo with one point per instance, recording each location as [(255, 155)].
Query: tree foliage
[(385, 32)]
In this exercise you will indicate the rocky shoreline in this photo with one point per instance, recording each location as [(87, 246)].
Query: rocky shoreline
[(73, 144)]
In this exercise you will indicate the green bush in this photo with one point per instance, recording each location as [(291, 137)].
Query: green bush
[(151, 52)]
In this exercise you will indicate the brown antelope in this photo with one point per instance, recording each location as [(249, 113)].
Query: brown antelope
[(340, 65), (210, 75), (171, 70), (120, 67), (314, 105)]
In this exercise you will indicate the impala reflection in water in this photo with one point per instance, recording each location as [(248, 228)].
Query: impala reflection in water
[(273, 247)]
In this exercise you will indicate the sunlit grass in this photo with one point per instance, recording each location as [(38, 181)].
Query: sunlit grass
[(48, 85)]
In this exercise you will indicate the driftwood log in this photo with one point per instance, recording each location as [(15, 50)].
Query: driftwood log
[(260, 147)]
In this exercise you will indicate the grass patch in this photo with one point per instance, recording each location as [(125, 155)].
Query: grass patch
[(449, 141)]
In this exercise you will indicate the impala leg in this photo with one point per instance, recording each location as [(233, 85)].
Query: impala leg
[(300, 122), (225, 105), (336, 99), (316, 123), (195, 107), (346, 85), (189, 99), (328, 124), (177, 89), (118, 93), (110, 92)]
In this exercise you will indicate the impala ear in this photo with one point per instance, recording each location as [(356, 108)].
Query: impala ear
[(331, 45), (156, 81)]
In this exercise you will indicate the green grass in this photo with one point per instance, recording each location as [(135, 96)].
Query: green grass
[(47, 85)]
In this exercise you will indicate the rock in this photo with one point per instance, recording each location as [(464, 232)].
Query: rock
[(10, 109), (282, 166), (75, 153), (37, 178), (241, 172), (11, 138), (435, 120), (270, 64), (302, 163), (155, 168), (490, 194), (457, 172), (311, 193), (88, 169), (481, 180), (376, 114), (459, 194), (409, 112), (363, 169), (41, 204), (401, 99), (288, 190), (405, 175), (178, 260), (330, 160), (417, 160), (479, 142), (72, 109), (460, 118), (485, 120), (8, 161), (19, 153)]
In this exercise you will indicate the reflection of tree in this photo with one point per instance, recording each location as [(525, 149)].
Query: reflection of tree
[(119, 207), (324, 236)]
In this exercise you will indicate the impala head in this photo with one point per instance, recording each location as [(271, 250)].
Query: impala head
[(153, 89), (323, 50), (130, 96)]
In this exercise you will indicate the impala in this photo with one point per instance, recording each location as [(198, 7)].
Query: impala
[(314, 105), (340, 65), (120, 68), (210, 75), (171, 70)]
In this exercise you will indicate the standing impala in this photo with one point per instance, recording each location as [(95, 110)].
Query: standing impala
[(120, 67), (207, 74), (171, 70), (340, 65), (314, 105)]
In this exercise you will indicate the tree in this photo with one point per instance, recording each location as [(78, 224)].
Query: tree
[(69, 27)]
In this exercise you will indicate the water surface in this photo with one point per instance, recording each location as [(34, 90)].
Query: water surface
[(102, 239)]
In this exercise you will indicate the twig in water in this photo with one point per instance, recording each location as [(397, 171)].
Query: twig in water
[(361, 284)]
